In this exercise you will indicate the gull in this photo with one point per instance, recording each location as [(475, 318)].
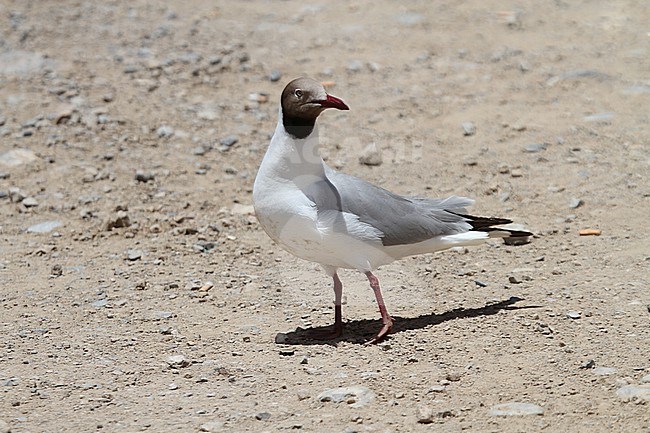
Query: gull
[(341, 221)]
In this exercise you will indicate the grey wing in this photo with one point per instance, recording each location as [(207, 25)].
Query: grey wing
[(402, 220)]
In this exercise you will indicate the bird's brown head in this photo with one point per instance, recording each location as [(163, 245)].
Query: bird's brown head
[(303, 99)]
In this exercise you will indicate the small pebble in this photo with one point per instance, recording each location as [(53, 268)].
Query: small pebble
[(16, 195), (165, 131), (516, 409), (16, 157), (604, 371), (130, 69), (258, 97), (64, 112), (133, 254), (100, 303), (371, 155), (56, 271), (29, 202), (600, 117), (177, 361), (436, 388), (229, 141), (44, 227), (468, 129), (535, 147), (119, 220), (374, 66), (354, 66), (590, 363), (262, 416), (424, 414), (142, 176), (574, 315), (516, 172), (575, 203), (275, 75), (212, 427), (634, 392)]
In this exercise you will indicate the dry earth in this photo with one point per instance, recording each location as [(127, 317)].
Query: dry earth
[(155, 304)]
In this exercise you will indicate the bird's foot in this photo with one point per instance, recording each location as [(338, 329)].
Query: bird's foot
[(383, 332), (327, 333)]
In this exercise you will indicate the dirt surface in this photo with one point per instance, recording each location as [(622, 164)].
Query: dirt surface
[(152, 300)]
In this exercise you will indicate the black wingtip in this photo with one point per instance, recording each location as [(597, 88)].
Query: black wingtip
[(486, 224)]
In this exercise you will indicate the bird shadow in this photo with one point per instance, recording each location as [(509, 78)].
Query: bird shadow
[(361, 331)]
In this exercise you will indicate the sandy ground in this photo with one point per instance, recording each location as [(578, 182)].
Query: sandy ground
[(151, 300)]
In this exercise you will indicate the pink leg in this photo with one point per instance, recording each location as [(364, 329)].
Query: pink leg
[(336, 330), (385, 317)]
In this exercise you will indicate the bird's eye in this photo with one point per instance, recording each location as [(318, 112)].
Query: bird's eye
[(298, 93)]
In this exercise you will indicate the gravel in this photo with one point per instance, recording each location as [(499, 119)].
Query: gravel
[(70, 365)]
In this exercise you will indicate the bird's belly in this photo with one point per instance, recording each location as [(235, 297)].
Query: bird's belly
[(299, 230), (298, 233)]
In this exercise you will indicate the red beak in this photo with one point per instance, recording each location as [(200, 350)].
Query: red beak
[(333, 102)]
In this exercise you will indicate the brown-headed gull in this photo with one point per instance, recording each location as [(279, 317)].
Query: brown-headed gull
[(341, 221)]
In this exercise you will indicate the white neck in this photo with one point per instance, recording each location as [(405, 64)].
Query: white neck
[(294, 159)]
